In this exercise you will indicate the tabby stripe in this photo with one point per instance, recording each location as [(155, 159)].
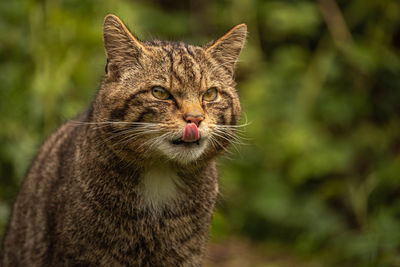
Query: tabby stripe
[(123, 257), (221, 119), (169, 54), (170, 59), (112, 130), (218, 106), (177, 255), (88, 115), (221, 116), (222, 109), (181, 52), (201, 75), (177, 76), (190, 56), (63, 157), (195, 250), (229, 98), (60, 134), (169, 215), (49, 147), (228, 95), (119, 113), (189, 51), (234, 118), (188, 66), (144, 113), (65, 147), (171, 68), (191, 233), (142, 246), (106, 67)]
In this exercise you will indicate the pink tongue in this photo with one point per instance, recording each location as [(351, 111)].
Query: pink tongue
[(191, 133)]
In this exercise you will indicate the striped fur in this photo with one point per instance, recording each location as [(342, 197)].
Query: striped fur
[(110, 188)]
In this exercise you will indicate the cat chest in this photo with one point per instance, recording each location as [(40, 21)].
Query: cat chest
[(159, 187)]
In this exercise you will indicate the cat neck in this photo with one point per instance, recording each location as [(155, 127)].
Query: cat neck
[(159, 186)]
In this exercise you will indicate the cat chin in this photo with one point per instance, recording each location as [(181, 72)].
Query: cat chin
[(183, 154)]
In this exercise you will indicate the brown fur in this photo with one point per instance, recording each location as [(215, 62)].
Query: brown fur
[(109, 188)]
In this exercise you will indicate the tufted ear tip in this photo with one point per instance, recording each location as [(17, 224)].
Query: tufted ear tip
[(240, 27), (121, 46), (117, 39), (110, 17), (228, 47), (236, 35), (111, 22)]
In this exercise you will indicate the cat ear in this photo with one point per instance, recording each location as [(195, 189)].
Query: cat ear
[(226, 49), (119, 43)]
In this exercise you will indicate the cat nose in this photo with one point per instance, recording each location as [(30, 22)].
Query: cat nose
[(194, 118)]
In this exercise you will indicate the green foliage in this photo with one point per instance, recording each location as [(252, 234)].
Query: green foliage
[(320, 172)]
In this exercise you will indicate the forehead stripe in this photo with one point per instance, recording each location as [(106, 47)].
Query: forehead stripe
[(189, 51), (171, 59), (119, 113)]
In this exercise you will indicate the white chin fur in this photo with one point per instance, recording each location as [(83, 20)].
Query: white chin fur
[(181, 153)]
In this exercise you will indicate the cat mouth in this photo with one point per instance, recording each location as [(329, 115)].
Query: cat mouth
[(191, 136), (181, 142)]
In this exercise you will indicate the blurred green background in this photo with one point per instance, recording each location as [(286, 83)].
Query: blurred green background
[(317, 183)]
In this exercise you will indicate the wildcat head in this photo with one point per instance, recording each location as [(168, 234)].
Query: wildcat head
[(168, 100)]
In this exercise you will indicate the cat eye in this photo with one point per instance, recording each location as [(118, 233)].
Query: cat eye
[(211, 94), (160, 93)]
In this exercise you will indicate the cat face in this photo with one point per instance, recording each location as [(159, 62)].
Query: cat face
[(168, 99)]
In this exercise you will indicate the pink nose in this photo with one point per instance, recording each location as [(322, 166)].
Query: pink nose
[(196, 119)]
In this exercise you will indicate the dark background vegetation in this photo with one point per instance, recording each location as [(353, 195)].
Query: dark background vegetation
[(317, 183)]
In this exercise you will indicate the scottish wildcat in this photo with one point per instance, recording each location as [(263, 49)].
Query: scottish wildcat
[(132, 181)]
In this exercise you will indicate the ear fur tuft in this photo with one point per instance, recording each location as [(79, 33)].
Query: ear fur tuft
[(120, 45)]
